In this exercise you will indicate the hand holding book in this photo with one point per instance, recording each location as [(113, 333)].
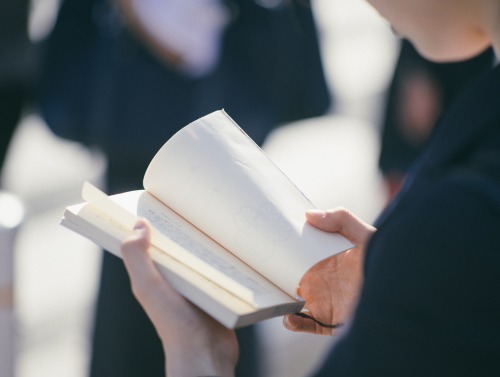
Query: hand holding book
[(331, 284), (227, 226), (184, 329), (331, 287)]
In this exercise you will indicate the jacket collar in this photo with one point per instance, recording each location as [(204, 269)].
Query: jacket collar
[(465, 123)]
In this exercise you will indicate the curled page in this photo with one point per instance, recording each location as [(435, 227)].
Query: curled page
[(218, 179)]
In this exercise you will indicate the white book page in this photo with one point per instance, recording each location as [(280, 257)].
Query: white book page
[(210, 297), (217, 178), (180, 240)]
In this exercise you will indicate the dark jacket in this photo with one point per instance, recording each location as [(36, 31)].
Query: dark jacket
[(17, 64), (400, 148), (430, 303)]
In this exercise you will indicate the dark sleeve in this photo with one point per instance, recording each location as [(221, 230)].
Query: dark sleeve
[(430, 304)]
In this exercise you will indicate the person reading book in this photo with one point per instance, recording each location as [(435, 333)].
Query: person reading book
[(428, 299)]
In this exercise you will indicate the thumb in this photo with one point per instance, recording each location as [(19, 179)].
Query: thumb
[(342, 221), (144, 276)]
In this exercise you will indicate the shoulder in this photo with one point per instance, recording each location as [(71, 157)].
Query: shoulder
[(430, 295), (445, 215), (439, 253)]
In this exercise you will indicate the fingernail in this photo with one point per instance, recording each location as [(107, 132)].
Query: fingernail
[(139, 225), (286, 321), (290, 322), (316, 213)]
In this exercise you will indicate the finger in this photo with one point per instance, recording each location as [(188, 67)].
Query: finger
[(144, 276), (299, 324), (343, 221), (150, 288)]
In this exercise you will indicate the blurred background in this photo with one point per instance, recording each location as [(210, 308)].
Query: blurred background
[(332, 158)]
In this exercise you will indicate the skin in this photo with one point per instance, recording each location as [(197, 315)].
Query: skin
[(183, 329), (442, 30), (331, 287)]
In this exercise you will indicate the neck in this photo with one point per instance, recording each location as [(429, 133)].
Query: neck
[(495, 38), (491, 19)]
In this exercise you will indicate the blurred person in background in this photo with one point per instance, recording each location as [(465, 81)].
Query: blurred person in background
[(124, 76), (17, 69), (419, 93)]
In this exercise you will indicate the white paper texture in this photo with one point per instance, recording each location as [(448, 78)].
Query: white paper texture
[(213, 174), (179, 239)]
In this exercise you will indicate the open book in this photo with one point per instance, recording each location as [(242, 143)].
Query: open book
[(229, 230)]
